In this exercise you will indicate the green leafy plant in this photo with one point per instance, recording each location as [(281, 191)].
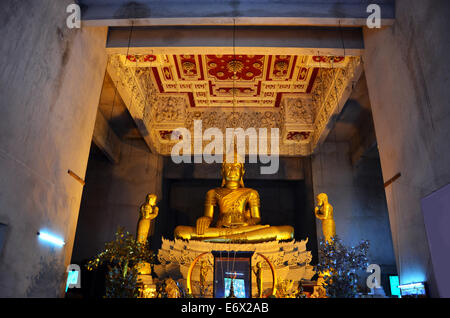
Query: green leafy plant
[(339, 265), (121, 257)]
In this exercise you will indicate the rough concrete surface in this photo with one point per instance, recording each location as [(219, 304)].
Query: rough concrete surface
[(50, 83)]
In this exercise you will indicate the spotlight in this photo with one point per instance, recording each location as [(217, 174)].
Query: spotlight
[(50, 238)]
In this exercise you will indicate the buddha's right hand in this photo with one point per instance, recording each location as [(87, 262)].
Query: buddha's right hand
[(202, 224)]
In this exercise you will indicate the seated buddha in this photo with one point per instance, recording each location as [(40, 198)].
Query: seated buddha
[(239, 213)]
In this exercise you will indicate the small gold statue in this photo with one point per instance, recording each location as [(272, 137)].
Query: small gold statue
[(167, 288), (324, 212), (239, 213), (319, 291), (148, 212), (284, 289), (204, 269), (257, 270), (171, 289)]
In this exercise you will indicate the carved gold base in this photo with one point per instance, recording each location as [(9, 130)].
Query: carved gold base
[(290, 260), (144, 268), (147, 289)]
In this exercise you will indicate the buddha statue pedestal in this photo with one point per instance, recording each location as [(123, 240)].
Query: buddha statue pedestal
[(147, 288), (289, 259)]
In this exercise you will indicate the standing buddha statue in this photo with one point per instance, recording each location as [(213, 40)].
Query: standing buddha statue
[(257, 270), (147, 213), (324, 212)]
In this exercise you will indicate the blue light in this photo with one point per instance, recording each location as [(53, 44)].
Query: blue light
[(412, 285), (51, 238), (238, 286), (394, 282), (413, 289)]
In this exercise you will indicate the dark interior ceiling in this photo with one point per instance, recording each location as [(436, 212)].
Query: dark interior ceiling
[(355, 111), (114, 110), (354, 124)]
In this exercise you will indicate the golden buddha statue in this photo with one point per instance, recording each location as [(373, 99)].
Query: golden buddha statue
[(324, 212), (147, 213), (239, 213), (257, 270)]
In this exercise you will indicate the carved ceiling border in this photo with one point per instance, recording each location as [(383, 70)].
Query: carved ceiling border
[(330, 92), (302, 121)]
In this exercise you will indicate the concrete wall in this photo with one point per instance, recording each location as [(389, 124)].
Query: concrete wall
[(407, 75), (357, 196), (113, 194), (50, 84)]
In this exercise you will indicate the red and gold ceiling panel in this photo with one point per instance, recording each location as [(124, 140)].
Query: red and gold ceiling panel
[(234, 80), (235, 67), (166, 92)]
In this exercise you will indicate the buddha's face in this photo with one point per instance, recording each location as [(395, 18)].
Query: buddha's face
[(151, 199), (232, 171), (321, 199)]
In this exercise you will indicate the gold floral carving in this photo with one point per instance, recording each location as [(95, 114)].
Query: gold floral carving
[(311, 113)]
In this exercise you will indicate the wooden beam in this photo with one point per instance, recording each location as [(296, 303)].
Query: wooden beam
[(76, 177), (391, 180)]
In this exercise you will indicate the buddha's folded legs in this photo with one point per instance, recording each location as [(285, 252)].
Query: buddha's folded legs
[(189, 232), (254, 233), (270, 233)]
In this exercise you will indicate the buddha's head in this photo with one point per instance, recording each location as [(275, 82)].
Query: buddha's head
[(151, 199), (322, 199), (233, 170)]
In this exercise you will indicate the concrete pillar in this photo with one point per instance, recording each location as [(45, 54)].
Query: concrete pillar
[(51, 80), (407, 76)]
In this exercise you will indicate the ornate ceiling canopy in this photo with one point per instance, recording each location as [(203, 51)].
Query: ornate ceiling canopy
[(297, 94)]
